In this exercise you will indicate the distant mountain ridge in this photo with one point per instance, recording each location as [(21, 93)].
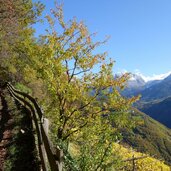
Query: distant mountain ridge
[(149, 90), (160, 111), (134, 85), (155, 98), (151, 136), (160, 90)]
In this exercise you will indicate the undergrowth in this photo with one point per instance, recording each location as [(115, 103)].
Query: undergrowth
[(22, 154)]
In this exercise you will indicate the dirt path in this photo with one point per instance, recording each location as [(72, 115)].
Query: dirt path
[(5, 129)]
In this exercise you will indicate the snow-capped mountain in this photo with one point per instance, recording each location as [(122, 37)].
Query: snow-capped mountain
[(154, 77), (157, 91), (134, 85), (140, 84), (135, 81)]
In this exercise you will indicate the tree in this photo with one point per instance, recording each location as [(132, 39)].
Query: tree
[(15, 31), (84, 106)]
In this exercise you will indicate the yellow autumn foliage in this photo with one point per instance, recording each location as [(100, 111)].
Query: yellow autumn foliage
[(144, 163)]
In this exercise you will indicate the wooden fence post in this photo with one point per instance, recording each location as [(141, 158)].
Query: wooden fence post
[(133, 163), (59, 155)]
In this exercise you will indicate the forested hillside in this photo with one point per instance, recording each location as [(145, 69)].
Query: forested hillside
[(58, 69), (150, 137), (159, 110)]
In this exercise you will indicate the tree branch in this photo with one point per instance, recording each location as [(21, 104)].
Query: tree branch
[(73, 35), (75, 66), (83, 71), (104, 154), (67, 72), (74, 131), (82, 107)]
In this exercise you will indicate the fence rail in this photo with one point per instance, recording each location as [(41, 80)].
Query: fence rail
[(49, 155)]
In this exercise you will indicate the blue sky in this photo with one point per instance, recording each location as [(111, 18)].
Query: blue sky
[(139, 30)]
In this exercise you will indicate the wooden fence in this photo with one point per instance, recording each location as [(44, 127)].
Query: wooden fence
[(49, 156)]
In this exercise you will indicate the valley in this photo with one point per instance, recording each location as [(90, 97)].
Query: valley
[(153, 136)]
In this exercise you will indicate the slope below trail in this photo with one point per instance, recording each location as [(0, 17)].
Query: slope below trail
[(6, 124), (17, 144)]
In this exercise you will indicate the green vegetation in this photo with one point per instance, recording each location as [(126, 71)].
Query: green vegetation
[(80, 105), (63, 63), (150, 137), (143, 162), (125, 161), (16, 36), (21, 151), (58, 68)]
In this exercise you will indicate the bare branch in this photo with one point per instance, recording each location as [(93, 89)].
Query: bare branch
[(75, 66), (71, 37), (87, 104), (83, 71), (103, 157), (91, 101), (67, 72), (75, 131)]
